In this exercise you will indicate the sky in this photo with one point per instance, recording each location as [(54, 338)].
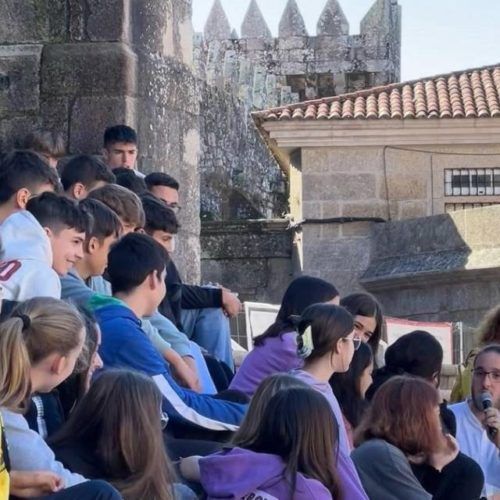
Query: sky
[(439, 36)]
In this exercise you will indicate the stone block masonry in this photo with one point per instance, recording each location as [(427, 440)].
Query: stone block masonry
[(77, 67), (296, 66)]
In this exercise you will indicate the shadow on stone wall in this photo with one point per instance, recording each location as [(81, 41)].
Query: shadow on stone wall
[(254, 258), (439, 268)]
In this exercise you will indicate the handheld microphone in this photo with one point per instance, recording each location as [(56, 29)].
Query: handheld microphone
[(487, 402)]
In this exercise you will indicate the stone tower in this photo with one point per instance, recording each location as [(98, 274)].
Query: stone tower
[(265, 72), (78, 67)]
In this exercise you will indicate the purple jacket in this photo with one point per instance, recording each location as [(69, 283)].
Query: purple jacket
[(348, 474), (239, 473), (276, 355)]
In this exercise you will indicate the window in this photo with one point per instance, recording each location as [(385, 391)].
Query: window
[(472, 182)]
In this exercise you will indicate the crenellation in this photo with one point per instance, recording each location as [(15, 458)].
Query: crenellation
[(332, 20), (328, 63), (217, 26), (292, 23), (254, 25)]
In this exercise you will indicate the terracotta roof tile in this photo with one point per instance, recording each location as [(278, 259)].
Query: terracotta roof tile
[(473, 93)]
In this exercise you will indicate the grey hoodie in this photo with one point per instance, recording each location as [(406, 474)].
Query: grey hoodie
[(26, 267), (29, 452)]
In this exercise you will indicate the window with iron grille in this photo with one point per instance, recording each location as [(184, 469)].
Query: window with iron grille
[(472, 181)]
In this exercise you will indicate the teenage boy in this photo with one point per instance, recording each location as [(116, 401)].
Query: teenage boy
[(48, 144), (128, 179), (120, 148), (478, 429), (23, 175), (82, 174), (124, 203), (136, 270), (188, 365), (40, 244), (210, 333), (196, 310), (165, 188)]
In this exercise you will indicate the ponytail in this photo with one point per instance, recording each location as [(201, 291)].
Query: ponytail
[(15, 386), (319, 328), (36, 328)]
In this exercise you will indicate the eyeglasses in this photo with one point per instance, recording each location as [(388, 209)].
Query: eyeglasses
[(175, 207), (164, 420), (356, 341), (494, 375)]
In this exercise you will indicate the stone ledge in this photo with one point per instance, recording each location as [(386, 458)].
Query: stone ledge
[(428, 278), (255, 226)]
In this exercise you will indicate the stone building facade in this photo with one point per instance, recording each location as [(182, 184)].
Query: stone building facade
[(363, 165), (77, 67)]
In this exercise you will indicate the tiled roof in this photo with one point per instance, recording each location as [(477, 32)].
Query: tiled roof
[(473, 93)]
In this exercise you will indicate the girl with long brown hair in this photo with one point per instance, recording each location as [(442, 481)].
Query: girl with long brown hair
[(403, 427), (115, 433), (287, 456)]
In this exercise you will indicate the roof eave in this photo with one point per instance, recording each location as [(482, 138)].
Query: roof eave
[(284, 136)]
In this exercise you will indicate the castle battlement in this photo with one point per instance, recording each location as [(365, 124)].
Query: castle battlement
[(266, 71)]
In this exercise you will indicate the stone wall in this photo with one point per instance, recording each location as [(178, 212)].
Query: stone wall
[(78, 67), (373, 182), (255, 258), (440, 268), (240, 179), (266, 72)]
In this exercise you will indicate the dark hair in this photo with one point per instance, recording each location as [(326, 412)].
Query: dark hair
[(364, 304), (159, 217), (488, 348), (74, 387), (119, 133), (130, 180), (346, 387), (105, 222), (46, 142), (86, 169), (258, 404), (120, 415), (287, 429), (403, 414), (161, 179), (329, 324), (132, 259), (24, 169), (417, 353), (301, 293), (58, 212), (123, 202)]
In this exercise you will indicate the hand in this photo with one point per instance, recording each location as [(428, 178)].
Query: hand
[(230, 302), (30, 484), (189, 468), (447, 453), (492, 420), (186, 376)]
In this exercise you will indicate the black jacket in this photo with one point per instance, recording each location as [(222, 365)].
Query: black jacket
[(180, 296)]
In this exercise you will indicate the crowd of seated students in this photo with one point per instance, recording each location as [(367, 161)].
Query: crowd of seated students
[(117, 378)]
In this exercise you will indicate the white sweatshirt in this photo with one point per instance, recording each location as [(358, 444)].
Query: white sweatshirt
[(26, 259)]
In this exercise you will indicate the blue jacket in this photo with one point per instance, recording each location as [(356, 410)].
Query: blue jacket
[(125, 345)]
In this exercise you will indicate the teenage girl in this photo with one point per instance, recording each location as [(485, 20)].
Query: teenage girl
[(275, 350), (39, 346), (327, 341)]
